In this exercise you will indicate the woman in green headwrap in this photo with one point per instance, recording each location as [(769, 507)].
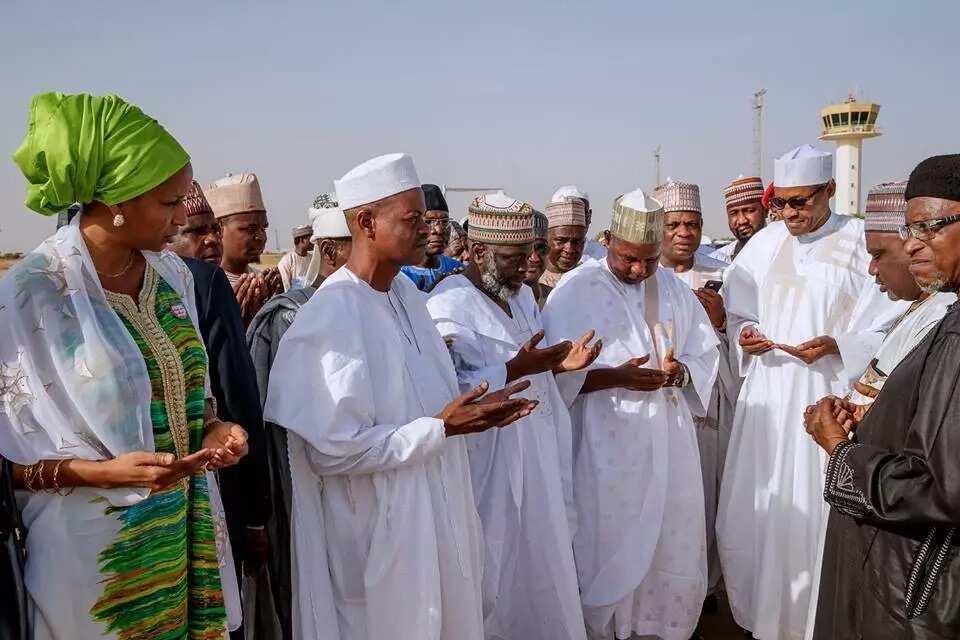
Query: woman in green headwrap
[(104, 399)]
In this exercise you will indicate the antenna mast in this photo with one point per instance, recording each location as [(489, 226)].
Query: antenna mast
[(758, 132)]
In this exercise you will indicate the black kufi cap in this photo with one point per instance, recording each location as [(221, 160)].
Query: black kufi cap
[(434, 197), (936, 177)]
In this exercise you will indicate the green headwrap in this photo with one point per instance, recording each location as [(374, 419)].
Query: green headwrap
[(81, 148)]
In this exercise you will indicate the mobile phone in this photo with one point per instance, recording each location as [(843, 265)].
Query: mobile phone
[(713, 285)]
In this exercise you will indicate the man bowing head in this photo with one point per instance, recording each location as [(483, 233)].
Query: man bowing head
[(386, 538), (640, 542)]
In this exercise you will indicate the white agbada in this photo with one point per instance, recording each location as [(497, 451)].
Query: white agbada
[(771, 502), (713, 429), (640, 545), (386, 537), (519, 473), (724, 253)]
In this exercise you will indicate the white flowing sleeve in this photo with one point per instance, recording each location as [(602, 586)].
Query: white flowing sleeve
[(320, 388), (873, 316), (741, 296), (562, 321), (699, 353), (468, 360)]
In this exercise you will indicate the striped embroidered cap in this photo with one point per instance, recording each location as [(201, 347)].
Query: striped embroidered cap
[(195, 202), (540, 225), (496, 218), (886, 209), (569, 213), (678, 196), (743, 190), (638, 218)]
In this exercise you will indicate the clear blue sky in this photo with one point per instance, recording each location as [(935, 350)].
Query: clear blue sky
[(524, 95)]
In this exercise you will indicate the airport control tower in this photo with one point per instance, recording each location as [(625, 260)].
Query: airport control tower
[(848, 124)]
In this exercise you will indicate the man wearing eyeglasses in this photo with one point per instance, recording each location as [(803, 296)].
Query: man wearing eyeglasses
[(435, 264), (682, 234), (890, 567), (804, 317)]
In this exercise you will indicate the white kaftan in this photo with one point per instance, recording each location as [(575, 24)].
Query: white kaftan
[(771, 502), (724, 253), (293, 270), (713, 429), (640, 545), (386, 537), (519, 473)]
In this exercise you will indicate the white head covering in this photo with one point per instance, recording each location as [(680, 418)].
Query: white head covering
[(328, 222), (804, 166), (569, 191), (376, 179)]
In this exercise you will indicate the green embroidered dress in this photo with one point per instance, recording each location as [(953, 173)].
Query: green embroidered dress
[(160, 576)]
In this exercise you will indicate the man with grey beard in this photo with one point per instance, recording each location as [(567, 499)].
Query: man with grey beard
[(521, 476)]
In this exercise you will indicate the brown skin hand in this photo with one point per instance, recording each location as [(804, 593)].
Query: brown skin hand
[(682, 231), (244, 239), (151, 222), (387, 235), (813, 215), (200, 238), (565, 248), (437, 239), (890, 265), (745, 220), (632, 263), (934, 263)]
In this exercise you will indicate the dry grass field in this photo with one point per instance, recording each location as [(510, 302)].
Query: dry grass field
[(6, 264)]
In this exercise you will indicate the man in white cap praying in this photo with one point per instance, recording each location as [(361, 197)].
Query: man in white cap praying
[(591, 248), (521, 475), (640, 540), (804, 318), (385, 533), (682, 237), (293, 265)]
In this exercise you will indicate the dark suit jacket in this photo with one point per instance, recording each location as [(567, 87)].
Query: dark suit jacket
[(244, 487)]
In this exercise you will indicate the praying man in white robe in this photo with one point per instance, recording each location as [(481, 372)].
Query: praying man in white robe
[(386, 541), (640, 543), (804, 319), (680, 252), (521, 475)]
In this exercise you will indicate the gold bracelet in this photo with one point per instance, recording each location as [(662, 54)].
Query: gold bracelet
[(28, 477), (39, 477), (55, 488)]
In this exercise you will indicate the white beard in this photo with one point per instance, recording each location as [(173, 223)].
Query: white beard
[(489, 282)]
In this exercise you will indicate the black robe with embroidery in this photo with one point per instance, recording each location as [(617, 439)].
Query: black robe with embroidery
[(891, 567)]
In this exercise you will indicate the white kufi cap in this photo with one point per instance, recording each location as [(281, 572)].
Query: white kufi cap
[(376, 179), (328, 222), (569, 191), (804, 166)]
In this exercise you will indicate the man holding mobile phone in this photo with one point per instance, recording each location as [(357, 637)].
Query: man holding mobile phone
[(682, 234)]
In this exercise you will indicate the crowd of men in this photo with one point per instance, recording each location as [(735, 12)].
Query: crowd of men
[(504, 429)]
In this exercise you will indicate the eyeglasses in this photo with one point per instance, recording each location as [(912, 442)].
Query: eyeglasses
[(796, 203), (440, 223), (541, 249), (926, 229)]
